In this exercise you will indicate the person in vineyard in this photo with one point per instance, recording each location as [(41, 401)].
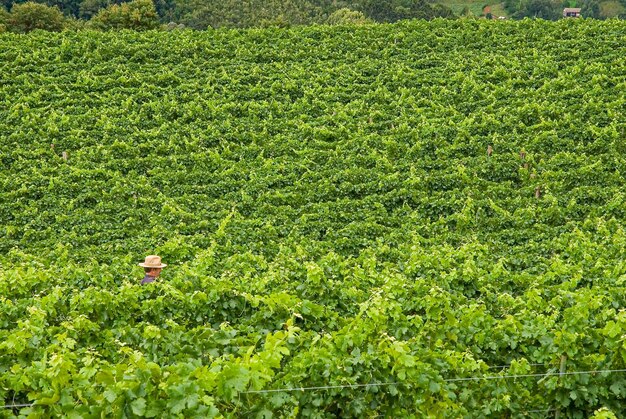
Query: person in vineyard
[(152, 266)]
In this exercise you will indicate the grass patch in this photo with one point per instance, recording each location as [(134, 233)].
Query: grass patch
[(498, 10), (475, 7), (611, 8)]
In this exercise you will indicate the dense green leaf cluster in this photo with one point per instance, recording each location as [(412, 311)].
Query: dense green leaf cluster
[(27, 17), (396, 206)]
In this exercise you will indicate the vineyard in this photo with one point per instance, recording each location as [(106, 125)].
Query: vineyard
[(423, 219)]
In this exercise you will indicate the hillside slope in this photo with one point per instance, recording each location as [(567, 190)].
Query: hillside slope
[(380, 211)]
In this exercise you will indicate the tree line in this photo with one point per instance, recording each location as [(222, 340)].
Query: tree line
[(56, 15), (553, 9)]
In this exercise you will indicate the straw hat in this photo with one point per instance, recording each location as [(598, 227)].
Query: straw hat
[(153, 261)]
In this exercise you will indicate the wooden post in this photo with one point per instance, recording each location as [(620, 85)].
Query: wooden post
[(64, 154), (557, 414)]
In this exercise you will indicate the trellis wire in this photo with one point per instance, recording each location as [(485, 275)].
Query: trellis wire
[(509, 365), (13, 406), (447, 380)]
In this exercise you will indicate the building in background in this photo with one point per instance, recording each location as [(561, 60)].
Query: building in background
[(571, 12)]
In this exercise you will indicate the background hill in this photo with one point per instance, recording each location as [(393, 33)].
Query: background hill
[(55, 15), (389, 216)]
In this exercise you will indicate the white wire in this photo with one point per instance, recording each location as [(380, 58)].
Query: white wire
[(12, 406), (547, 374), (539, 411), (447, 380), (509, 365), (319, 388)]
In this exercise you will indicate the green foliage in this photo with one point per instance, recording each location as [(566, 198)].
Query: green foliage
[(137, 15), (395, 10), (370, 212), (590, 8), (67, 7), (612, 9), (603, 413), (4, 18), (29, 16), (200, 14), (90, 8), (74, 24), (466, 12), (346, 16), (536, 9)]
